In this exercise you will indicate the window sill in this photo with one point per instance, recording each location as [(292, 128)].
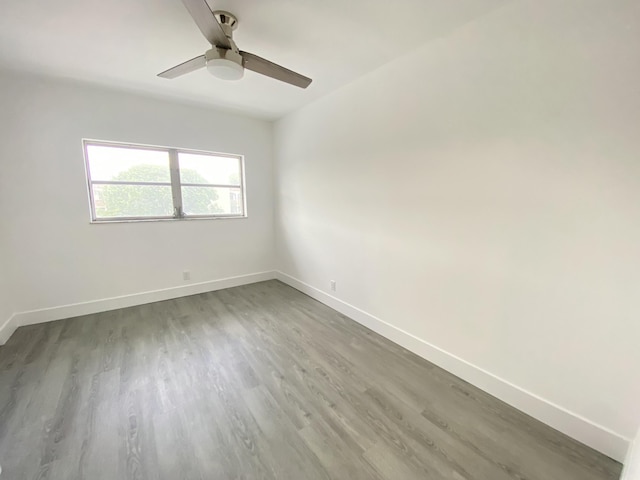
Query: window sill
[(146, 220)]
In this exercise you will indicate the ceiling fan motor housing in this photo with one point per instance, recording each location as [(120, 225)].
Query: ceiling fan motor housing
[(228, 21)]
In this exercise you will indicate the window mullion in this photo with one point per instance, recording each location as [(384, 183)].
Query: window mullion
[(176, 190)]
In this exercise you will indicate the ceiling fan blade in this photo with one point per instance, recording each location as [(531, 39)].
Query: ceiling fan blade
[(270, 69), (207, 23), (184, 68)]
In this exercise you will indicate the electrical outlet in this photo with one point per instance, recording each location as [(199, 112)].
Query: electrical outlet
[(186, 275), (333, 285)]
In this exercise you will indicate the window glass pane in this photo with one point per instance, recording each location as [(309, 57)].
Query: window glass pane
[(132, 201), (198, 168), (128, 164), (212, 201)]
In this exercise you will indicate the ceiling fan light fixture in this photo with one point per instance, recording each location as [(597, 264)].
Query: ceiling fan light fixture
[(225, 64), (225, 69)]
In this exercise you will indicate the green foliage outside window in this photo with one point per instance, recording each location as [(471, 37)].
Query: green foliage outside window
[(152, 200)]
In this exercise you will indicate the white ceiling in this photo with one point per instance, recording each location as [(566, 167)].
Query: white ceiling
[(125, 43)]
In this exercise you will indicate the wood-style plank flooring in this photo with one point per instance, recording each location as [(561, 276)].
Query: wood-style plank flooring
[(255, 382)]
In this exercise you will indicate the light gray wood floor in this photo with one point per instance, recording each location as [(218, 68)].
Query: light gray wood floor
[(255, 382)]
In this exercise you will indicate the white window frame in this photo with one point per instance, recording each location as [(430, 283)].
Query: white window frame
[(175, 183)]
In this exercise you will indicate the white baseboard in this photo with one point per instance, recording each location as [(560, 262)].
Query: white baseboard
[(582, 429), (105, 304)]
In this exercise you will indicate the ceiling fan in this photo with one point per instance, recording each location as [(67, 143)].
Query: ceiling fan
[(225, 60)]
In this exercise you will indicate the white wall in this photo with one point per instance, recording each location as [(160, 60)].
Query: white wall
[(6, 287), (6, 300), (482, 194), (57, 256), (632, 465), (6, 297)]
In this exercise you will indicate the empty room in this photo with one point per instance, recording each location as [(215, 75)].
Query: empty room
[(278, 240)]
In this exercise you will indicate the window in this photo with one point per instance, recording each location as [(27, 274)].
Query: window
[(136, 182)]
